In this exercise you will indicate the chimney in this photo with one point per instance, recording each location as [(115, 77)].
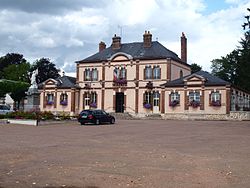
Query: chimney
[(147, 39), (116, 42), (183, 48), (102, 46)]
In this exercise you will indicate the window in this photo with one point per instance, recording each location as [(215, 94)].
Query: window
[(194, 99), (148, 72), (215, 96), (215, 99), (93, 100), (64, 99), (91, 75), (87, 75), (120, 76), (156, 72), (116, 73), (194, 96), (174, 99), (94, 74), (50, 98), (181, 73), (123, 73), (148, 97)]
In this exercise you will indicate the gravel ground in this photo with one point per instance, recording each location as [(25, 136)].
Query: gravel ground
[(131, 153)]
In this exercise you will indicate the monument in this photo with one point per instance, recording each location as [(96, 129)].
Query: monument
[(33, 99)]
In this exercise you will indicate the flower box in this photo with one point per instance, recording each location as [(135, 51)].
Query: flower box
[(216, 103), (50, 102), (147, 106), (93, 105), (174, 103), (64, 103), (194, 104), (121, 81)]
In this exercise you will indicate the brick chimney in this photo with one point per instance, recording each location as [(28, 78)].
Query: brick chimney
[(147, 39), (116, 42), (183, 48), (102, 46)]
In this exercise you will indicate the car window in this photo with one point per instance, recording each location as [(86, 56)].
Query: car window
[(85, 112), (1, 107), (6, 108)]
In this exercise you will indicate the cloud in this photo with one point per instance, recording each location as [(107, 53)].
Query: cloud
[(67, 31)]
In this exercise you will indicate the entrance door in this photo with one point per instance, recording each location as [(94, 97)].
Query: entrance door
[(156, 102), (86, 101), (119, 105)]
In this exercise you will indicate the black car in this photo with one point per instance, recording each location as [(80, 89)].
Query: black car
[(96, 117)]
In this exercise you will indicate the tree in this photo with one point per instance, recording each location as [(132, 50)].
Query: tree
[(15, 88), (10, 59), (195, 67), (227, 68), (18, 72), (235, 67), (46, 69)]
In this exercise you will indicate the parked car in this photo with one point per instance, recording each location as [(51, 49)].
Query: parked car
[(4, 109), (96, 117)]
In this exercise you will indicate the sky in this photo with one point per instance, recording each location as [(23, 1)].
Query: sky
[(70, 30)]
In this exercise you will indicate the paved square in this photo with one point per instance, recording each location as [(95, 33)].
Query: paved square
[(131, 153)]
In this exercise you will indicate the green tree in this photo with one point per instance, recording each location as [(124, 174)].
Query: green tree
[(46, 69), (195, 67), (227, 68), (18, 72), (10, 59), (235, 67), (15, 88)]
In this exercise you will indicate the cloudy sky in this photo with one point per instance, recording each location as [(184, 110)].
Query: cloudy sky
[(69, 30)]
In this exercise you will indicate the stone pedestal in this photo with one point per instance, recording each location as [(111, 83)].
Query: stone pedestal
[(33, 100)]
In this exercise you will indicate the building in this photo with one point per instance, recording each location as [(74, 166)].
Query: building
[(140, 78)]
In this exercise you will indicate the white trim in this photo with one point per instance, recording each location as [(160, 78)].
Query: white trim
[(120, 53)]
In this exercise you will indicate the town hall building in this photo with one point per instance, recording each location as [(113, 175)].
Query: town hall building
[(140, 78)]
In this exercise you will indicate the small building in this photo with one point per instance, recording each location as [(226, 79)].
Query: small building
[(203, 93)]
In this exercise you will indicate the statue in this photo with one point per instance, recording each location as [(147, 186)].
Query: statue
[(33, 79)]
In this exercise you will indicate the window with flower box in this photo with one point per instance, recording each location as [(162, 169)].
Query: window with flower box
[(93, 100), (215, 99), (50, 99), (147, 103), (120, 76), (174, 99), (194, 99), (64, 99)]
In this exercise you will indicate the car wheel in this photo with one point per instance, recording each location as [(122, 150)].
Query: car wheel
[(112, 121), (97, 122), (82, 123)]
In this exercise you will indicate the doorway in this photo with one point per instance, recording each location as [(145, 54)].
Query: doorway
[(156, 102), (119, 104)]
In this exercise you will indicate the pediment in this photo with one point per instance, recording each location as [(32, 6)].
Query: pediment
[(120, 56), (50, 82), (194, 78)]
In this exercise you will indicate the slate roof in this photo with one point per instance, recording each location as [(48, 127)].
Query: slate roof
[(66, 82), (210, 80), (63, 82), (137, 51)]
